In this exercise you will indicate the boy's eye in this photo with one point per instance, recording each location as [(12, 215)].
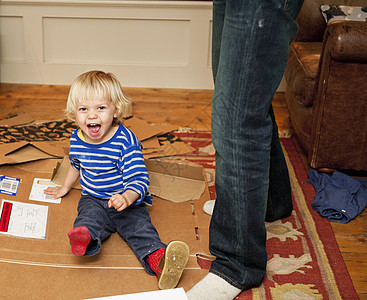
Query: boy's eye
[(102, 108), (82, 109)]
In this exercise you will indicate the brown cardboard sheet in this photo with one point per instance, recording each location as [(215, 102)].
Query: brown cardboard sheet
[(151, 143), (145, 130), (19, 119), (169, 149), (47, 269), (177, 181), (20, 152), (148, 135)]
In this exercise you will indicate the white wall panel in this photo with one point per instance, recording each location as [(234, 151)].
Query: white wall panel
[(160, 42), (12, 41)]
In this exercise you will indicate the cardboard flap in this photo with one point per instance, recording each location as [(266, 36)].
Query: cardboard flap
[(144, 130), (53, 148), (8, 153), (169, 149), (8, 148), (176, 168), (61, 171), (20, 152), (19, 119), (175, 181)]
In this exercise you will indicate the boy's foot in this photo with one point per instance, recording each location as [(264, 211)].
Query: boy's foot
[(172, 264), (79, 239)]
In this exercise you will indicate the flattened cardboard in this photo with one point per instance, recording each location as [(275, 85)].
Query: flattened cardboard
[(47, 269), (20, 152), (144, 130), (169, 149), (175, 181), (19, 119), (151, 143)]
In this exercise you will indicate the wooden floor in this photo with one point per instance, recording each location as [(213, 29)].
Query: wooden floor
[(186, 108)]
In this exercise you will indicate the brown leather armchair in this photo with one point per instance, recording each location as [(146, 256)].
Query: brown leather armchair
[(326, 91)]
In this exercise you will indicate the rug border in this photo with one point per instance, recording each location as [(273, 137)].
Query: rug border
[(324, 230)]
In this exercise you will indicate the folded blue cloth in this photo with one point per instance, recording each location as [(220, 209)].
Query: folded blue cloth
[(339, 197)]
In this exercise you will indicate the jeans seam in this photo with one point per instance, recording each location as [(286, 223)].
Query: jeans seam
[(221, 275), (286, 6)]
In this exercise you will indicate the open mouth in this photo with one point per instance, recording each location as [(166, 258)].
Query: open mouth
[(94, 129)]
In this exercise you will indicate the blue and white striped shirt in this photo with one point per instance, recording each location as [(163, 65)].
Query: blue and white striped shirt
[(111, 167)]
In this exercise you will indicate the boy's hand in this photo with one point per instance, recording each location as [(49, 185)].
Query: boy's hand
[(57, 191), (61, 191), (120, 202)]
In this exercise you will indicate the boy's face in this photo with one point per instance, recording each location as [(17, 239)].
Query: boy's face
[(95, 118)]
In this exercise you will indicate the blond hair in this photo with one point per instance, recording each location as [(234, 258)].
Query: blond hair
[(94, 83)]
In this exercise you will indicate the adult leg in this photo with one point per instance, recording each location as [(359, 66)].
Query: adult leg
[(254, 44), (279, 203)]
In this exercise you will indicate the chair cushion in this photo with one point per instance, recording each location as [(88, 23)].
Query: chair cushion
[(332, 13), (301, 71)]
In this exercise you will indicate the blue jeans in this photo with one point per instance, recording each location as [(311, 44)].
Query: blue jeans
[(133, 225), (251, 40)]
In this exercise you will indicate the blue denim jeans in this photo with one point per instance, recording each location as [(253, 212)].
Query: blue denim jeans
[(251, 40), (133, 225)]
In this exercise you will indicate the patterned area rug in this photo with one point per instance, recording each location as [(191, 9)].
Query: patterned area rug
[(304, 261), (47, 131)]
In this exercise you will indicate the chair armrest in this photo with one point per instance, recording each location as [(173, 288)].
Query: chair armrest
[(339, 124), (347, 40)]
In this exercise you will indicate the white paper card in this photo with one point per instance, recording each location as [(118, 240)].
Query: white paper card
[(23, 219), (37, 194), (176, 294)]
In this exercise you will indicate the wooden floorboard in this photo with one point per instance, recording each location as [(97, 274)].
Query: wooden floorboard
[(186, 108)]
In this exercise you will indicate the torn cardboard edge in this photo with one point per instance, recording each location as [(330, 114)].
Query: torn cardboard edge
[(170, 149), (18, 119), (170, 180), (144, 130), (20, 152)]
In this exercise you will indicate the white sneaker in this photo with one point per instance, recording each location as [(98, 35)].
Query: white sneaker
[(209, 207)]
